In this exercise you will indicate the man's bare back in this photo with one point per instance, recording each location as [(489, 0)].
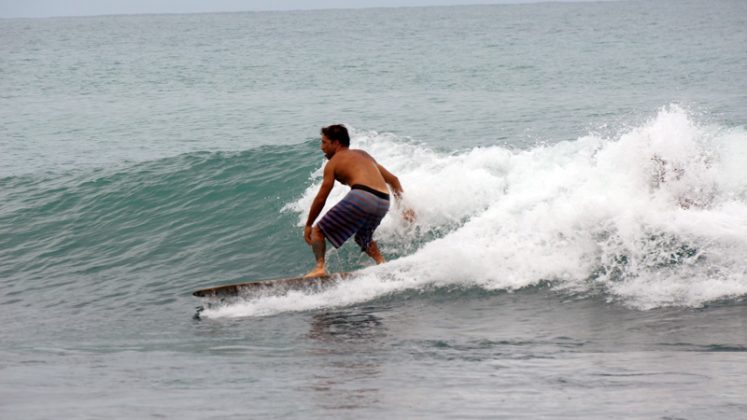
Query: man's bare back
[(356, 167)]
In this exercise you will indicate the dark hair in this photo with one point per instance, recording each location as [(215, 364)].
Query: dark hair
[(337, 132)]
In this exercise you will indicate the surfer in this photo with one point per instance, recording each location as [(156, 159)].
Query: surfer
[(362, 209)]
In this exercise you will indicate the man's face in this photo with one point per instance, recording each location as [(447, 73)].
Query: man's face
[(328, 147)]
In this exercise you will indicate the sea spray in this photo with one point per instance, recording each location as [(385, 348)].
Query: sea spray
[(654, 217)]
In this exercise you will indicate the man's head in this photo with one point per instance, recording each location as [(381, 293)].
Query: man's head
[(337, 132), (333, 137)]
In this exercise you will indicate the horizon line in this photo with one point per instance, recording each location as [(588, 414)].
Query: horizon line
[(307, 9)]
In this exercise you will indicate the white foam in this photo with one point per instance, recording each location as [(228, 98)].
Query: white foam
[(654, 217)]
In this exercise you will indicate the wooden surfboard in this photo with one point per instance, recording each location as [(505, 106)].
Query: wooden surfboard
[(293, 283)]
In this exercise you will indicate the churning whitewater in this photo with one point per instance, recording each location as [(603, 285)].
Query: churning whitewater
[(653, 217)]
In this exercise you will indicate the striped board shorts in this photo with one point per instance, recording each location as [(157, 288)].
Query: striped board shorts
[(359, 213)]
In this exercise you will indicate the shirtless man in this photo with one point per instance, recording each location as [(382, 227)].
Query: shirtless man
[(362, 209)]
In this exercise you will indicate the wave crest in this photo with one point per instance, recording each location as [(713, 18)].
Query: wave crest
[(656, 216)]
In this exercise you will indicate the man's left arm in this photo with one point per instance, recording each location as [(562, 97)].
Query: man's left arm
[(321, 198)]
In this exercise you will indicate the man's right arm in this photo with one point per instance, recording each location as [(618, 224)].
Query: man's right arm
[(392, 180), (407, 213)]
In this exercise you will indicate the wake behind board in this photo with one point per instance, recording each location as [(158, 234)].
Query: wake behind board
[(293, 283)]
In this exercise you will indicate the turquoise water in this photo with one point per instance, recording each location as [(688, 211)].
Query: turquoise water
[(577, 170)]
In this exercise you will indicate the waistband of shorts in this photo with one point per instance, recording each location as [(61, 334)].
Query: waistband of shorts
[(379, 194)]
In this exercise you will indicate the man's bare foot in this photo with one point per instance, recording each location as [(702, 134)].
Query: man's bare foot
[(317, 272)]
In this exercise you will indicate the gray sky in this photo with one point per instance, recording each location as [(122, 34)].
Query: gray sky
[(46, 8)]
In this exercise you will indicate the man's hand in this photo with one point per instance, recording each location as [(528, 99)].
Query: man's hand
[(307, 234), (409, 215)]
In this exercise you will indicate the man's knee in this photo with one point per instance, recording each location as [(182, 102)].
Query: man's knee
[(317, 234)]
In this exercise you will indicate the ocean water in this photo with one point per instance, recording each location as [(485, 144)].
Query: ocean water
[(578, 171)]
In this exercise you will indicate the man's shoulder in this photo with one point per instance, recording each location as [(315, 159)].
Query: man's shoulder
[(363, 153), (335, 161)]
